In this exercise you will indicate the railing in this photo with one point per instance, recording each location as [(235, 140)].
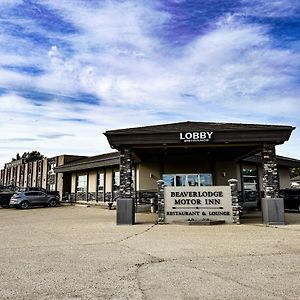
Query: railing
[(146, 197), (91, 197), (249, 199), (140, 197)]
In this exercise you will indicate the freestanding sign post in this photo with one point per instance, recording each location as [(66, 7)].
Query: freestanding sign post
[(210, 203)]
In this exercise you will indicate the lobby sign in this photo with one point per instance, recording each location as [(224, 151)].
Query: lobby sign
[(195, 136), (209, 203)]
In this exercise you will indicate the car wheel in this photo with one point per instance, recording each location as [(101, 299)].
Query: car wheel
[(52, 203), (4, 205), (24, 205)]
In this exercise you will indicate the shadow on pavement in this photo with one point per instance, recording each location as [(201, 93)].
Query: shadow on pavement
[(145, 218), (255, 217)]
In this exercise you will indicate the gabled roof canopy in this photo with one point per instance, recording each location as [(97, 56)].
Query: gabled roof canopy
[(227, 140), (191, 126), (216, 134), (92, 162), (281, 160)]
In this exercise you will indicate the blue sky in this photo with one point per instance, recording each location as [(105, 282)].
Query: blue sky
[(70, 70)]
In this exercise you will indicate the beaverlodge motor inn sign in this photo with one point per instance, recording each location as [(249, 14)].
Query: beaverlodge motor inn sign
[(210, 203)]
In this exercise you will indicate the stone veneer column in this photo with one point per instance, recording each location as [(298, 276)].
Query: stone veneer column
[(126, 173), (161, 201), (270, 173)]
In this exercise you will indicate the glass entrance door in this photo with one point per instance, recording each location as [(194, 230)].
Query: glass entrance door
[(251, 195)]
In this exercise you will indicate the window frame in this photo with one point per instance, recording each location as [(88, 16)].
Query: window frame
[(85, 188), (199, 175)]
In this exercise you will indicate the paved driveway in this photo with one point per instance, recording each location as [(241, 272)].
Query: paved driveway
[(79, 253)]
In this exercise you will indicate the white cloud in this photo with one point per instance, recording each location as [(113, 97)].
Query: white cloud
[(291, 148), (231, 73), (11, 78), (112, 22), (237, 64), (116, 58), (25, 127), (273, 9)]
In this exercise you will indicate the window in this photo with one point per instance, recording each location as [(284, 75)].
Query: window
[(34, 193), (82, 183), (168, 180), (116, 180), (39, 167), (192, 180), (52, 187), (206, 179), (30, 194), (249, 179), (251, 195), (100, 182), (180, 180), (51, 182), (202, 179), (51, 167)]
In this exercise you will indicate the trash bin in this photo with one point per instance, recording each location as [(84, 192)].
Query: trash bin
[(125, 211)]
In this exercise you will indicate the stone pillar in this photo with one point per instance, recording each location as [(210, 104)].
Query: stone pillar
[(126, 189), (125, 204), (235, 200), (161, 201), (270, 173)]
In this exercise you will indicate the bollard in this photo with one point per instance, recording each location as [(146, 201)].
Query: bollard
[(153, 206), (235, 201), (161, 202)]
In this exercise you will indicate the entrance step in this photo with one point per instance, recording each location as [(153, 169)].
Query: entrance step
[(217, 222)]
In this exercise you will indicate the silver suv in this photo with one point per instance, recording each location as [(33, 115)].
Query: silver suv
[(31, 198)]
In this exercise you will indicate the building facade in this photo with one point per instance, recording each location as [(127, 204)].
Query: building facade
[(38, 173), (188, 153), (98, 178), (181, 154)]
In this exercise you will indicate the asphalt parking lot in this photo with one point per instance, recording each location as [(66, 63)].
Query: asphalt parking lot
[(77, 252)]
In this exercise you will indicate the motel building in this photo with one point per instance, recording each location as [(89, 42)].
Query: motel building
[(39, 173), (189, 161)]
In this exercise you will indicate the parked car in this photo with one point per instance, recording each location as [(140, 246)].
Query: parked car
[(32, 198), (5, 198), (291, 198), (52, 193), (6, 193)]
